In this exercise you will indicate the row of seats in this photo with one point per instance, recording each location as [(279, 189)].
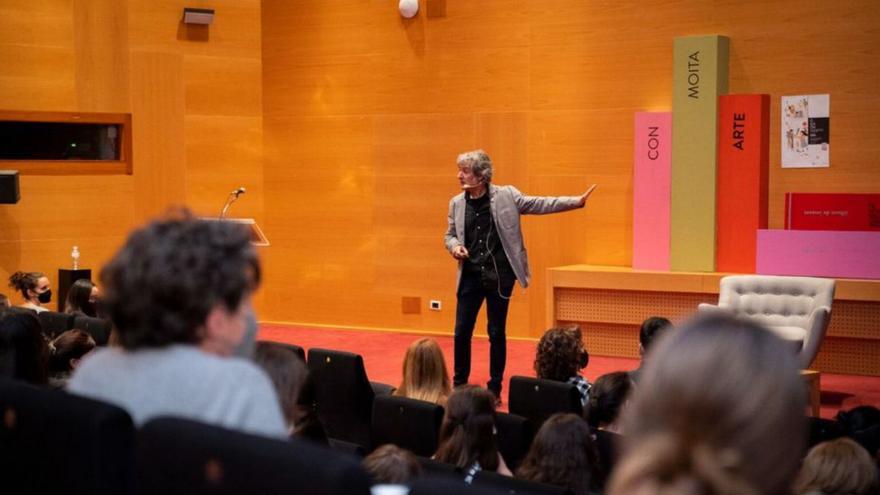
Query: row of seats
[(367, 416), (54, 442), (55, 324)]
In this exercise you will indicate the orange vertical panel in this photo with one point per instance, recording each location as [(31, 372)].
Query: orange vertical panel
[(743, 156)]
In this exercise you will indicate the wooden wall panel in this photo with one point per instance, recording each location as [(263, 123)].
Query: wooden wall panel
[(196, 105), (365, 112)]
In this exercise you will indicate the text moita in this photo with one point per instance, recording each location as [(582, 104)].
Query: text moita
[(694, 75)]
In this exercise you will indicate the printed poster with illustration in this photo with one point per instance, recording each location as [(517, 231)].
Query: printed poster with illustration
[(806, 131)]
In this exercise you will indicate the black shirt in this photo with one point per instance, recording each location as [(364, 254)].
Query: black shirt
[(485, 253)]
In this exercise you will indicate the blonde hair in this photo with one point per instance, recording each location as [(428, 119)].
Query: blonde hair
[(837, 467), (720, 412), (424, 373)]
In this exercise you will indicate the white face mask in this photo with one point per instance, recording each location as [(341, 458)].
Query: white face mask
[(245, 348)]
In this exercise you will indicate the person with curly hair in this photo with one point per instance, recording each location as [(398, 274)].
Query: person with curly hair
[(179, 295), (34, 288), (563, 454), (837, 467), (560, 356)]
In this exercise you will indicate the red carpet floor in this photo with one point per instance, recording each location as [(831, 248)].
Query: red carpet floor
[(383, 357)]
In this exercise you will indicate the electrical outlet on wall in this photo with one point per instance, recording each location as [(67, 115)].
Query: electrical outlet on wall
[(435, 305)]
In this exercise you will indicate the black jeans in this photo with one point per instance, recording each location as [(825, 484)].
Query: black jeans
[(471, 293)]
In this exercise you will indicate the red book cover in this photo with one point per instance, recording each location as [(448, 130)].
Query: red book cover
[(821, 211), (743, 169)]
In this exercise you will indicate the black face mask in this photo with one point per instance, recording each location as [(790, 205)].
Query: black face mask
[(583, 359), (45, 297)]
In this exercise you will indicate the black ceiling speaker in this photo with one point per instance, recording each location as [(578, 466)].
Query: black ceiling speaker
[(9, 194)]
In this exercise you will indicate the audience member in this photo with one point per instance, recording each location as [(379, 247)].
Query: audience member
[(720, 410), (24, 354), (290, 376), (467, 434), (563, 454), (837, 467), (34, 288), (651, 328), (67, 351), (4, 302), (178, 293), (392, 465), (862, 424), (560, 357), (82, 299), (424, 373), (610, 394)]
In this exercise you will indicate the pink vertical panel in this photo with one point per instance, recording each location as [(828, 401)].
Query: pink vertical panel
[(819, 253), (652, 181)]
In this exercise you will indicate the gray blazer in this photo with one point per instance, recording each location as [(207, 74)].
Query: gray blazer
[(507, 204)]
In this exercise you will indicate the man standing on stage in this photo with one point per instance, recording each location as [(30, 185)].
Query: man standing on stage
[(484, 235)]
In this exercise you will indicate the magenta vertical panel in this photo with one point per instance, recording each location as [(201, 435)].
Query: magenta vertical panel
[(819, 253), (652, 181)]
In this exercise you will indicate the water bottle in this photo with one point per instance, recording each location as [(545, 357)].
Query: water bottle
[(75, 255)]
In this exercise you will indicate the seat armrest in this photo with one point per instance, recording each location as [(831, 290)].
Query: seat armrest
[(381, 388), (712, 309), (817, 326)]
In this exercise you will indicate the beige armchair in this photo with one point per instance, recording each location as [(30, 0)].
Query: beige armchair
[(798, 309)]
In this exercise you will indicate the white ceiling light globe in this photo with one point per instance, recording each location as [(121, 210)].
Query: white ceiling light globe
[(408, 8)]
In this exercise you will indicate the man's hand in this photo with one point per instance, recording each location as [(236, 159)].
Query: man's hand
[(459, 252), (586, 195)]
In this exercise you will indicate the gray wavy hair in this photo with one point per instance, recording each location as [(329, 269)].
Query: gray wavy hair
[(479, 163)]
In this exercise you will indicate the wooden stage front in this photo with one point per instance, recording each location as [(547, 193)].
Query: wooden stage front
[(610, 302)]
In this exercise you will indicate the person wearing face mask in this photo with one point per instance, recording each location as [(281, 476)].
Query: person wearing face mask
[(82, 299), (177, 355), (34, 288), (484, 236)]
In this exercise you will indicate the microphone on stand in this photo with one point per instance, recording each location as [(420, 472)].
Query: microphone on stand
[(231, 199)]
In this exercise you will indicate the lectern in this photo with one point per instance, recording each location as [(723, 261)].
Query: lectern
[(257, 236)]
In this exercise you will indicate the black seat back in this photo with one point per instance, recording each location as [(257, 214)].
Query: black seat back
[(408, 423), (178, 456), (514, 438), (54, 324), (299, 351), (343, 395), (98, 328), (514, 486), (538, 399), (443, 485), (55, 442)]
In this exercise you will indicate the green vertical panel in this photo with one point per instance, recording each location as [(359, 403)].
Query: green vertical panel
[(699, 77)]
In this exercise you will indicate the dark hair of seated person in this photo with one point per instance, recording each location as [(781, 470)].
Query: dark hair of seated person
[(78, 299), (290, 377), (563, 454), (161, 285), (24, 354), (467, 433), (607, 397), (560, 354), (652, 328), (390, 464), (68, 348), (24, 282)]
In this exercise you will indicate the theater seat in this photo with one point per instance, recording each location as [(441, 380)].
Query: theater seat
[(56, 443), (343, 395), (299, 351), (98, 328), (514, 438), (408, 423), (54, 324), (179, 456), (538, 399)]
